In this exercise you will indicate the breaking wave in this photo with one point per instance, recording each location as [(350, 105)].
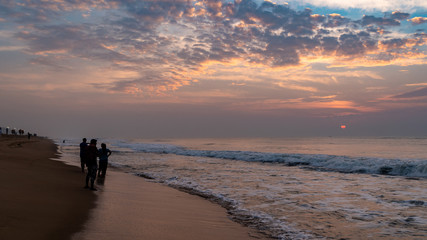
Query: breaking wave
[(323, 162)]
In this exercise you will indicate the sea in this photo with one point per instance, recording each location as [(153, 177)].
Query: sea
[(291, 188)]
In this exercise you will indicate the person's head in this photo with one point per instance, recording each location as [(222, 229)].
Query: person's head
[(84, 139), (103, 145), (93, 141)]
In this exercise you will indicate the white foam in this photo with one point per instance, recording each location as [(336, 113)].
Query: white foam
[(398, 167)]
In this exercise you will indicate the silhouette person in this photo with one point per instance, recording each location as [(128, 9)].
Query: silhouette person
[(83, 154), (91, 163), (104, 153)]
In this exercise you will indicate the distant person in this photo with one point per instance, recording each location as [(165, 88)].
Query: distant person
[(83, 154), (92, 165), (29, 135), (104, 153), (7, 130)]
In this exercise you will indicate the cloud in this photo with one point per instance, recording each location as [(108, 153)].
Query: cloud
[(11, 48), (379, 21), (334, 20), (70, 40), (421, 92), (350, 45), (398, 15), (50, 62), (416, 84), (418, 20), (165, 40), (385, 5), (36, 11), (148, 85)]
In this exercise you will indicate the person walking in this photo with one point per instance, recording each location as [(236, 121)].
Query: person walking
[(91, 163), (104, 153), (83, 154)]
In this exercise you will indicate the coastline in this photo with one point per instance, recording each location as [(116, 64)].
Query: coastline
[(41, 198), (131, 207)]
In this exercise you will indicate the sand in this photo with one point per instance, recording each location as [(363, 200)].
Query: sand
[(40, 198), (131, 207), (45, 199)]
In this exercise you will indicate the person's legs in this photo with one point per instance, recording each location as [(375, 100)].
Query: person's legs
[(104, 169), (93, 177), (82, 163), (87, 178)]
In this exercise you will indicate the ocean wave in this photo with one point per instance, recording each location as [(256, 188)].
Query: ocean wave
[(345, 164), (266, 224)]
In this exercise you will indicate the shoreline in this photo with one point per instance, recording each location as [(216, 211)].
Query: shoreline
[(41, 198), (130, 207)]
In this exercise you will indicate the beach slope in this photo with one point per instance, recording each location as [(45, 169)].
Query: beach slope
[(40, 198), (130, 207)]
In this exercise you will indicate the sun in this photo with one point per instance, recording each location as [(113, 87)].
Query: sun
[(343, 126)]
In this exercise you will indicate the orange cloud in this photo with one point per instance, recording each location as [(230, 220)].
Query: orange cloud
[(296, 87), (418, 20), (406, 59), (343, 107)]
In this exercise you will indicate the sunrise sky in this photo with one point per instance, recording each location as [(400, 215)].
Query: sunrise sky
[(244, 68)]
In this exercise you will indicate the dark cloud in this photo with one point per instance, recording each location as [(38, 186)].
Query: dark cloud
[(152, 12), (131, 27), (275, 17), (422, 92), (335, 20), (53, 62), (379, 21), (329, 44), (38, 11), (75, 40), (394, 43), (398, 15), (194, 55), (150, 83), (350, 45), (281, 51)]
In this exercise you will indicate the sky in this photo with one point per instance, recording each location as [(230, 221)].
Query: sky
[(243, 68)]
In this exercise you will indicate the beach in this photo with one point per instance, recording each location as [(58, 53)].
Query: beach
[(41, 198), (44, 198), (130, 207)]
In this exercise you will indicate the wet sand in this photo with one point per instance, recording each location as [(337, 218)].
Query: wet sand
[(45, 199), (131, 207), (40, 198)]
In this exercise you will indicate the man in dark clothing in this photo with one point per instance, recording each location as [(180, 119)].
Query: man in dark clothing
[(91, 163), (83, 154)]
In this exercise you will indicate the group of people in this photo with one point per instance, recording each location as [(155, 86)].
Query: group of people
[(15, 132), (89, 154)]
